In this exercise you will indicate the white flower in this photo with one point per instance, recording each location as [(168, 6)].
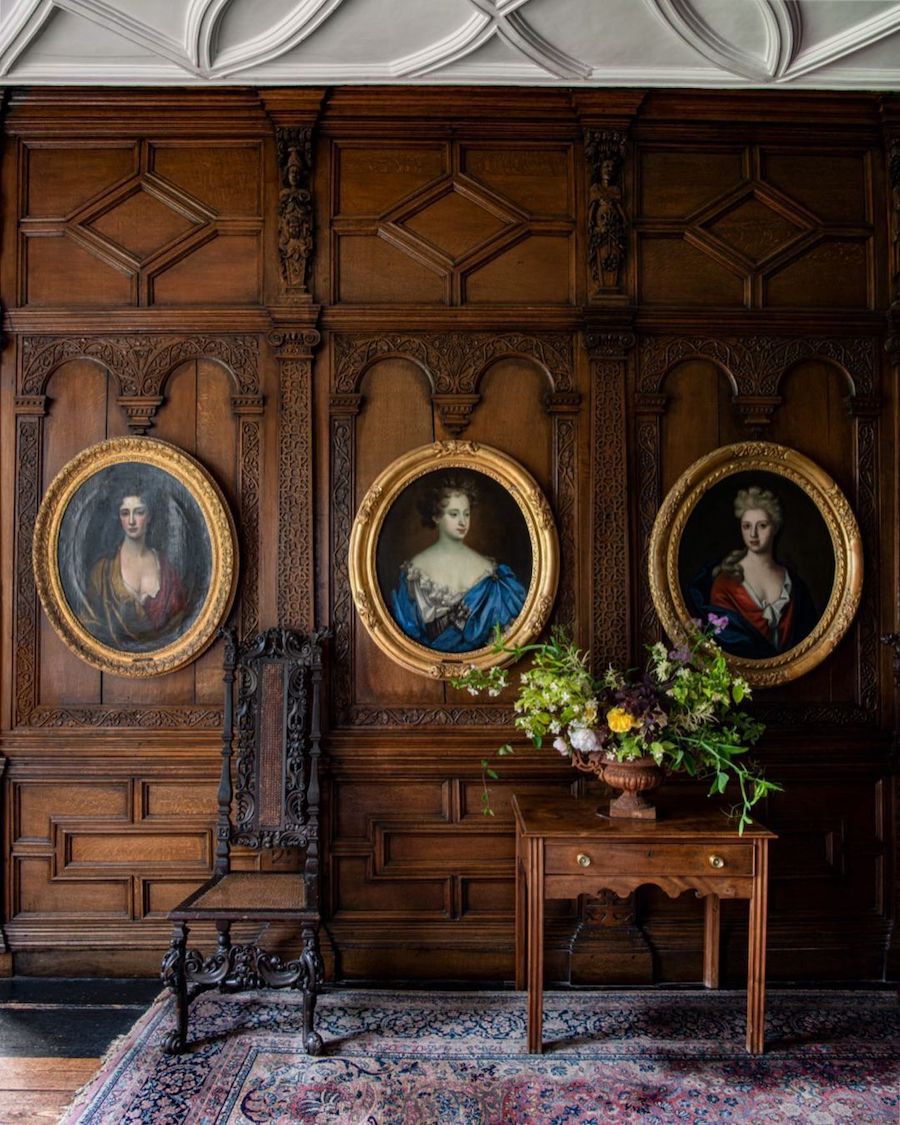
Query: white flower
[(561, 745), (584, 739)]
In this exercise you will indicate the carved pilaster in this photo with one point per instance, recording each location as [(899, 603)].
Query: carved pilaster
[(649, 409), (296, 580), (249, 410), (610, 626), (29, 431)]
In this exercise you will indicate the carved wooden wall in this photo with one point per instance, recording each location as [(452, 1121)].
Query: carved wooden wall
[(298, 288)]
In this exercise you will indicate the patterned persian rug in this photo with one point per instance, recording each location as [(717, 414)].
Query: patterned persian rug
[(426, 1058)]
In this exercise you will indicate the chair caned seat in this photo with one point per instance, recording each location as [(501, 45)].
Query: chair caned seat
[(251, 891)]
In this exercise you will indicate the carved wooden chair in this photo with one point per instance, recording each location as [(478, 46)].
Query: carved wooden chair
[(268, 798)]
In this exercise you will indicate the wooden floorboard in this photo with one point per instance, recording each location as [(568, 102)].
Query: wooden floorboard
[(40, 1089), (52, 1034)]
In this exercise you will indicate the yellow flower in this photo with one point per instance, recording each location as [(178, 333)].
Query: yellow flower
[(620, 721)]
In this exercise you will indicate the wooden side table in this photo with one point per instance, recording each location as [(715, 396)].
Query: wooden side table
[(564, 849)]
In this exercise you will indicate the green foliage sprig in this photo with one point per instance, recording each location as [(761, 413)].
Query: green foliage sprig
[(683, 710)]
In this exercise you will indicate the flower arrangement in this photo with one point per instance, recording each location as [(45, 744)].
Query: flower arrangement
[(682, 710)]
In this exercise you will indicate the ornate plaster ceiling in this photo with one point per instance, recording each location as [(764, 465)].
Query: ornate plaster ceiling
[(823, 44)]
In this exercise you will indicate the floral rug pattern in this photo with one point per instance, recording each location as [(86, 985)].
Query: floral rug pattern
[(429, 1058)]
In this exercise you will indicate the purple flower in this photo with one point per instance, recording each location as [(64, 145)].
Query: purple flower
[(718, 622), (680, 654)]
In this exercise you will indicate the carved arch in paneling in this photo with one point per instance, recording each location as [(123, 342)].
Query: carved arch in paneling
[(141, 367), (454, 365), (756, 367)]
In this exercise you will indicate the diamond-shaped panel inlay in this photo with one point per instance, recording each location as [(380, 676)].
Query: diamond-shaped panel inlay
[(454, 224), (141, 224), (754, 229)]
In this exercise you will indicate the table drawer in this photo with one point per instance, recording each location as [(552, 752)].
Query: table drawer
[(608, 857)]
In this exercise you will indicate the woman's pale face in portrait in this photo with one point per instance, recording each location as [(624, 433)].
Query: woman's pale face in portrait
[(757, 530), (453, 522), (133, 516)]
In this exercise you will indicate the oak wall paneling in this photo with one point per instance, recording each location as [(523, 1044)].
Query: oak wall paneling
[(454, 291)]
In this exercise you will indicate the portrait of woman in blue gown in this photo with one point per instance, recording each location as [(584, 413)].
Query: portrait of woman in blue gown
[(448, 596)]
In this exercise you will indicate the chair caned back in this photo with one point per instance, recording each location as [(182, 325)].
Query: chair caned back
[(274, 798)]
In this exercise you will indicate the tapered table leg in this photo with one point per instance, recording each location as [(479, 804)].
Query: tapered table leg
[(711, 943), (756, 955), (521, 914), (535, 939)]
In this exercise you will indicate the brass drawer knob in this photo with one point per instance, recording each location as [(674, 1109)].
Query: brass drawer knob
[(583, 860), (716, 861)]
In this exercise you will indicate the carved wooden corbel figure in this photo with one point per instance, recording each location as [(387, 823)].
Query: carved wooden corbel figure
[(295, 214), (607, 224)]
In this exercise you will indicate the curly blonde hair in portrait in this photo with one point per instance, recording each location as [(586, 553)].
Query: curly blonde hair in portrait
[(750, 499)]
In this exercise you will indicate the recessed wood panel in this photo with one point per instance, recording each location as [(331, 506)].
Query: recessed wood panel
[(674, 184), (535, 179), (487, 897), (831, 185), (60, 272), (225, 271), (359, 804), (60, 179), (455, 224), (141, 224), (537, 269), (171, 800), (80, 397), (39, 894), (225, 178), (832, 275), (699, 416), (371, 179), (374, 272), (37, 804), (383, 433), (134, 850), (405, 851), (672, 272), (159, 896), (408, 898)]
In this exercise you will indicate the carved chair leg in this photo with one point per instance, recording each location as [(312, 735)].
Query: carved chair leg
[(312, 979), (175, 977)]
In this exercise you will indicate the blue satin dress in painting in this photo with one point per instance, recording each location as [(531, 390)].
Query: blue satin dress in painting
[(446, 621)]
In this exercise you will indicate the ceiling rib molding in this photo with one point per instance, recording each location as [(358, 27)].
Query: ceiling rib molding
[(731, 44)]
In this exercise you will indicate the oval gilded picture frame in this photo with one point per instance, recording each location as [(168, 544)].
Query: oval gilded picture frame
[(140, 509), (510, 549), (697, 543)]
